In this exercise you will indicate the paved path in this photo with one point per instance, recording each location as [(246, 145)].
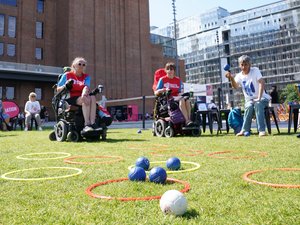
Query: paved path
[(148, 125)]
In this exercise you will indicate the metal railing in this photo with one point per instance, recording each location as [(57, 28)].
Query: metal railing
[(29, 67)]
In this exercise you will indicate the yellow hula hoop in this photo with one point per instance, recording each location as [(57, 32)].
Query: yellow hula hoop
[(197, 166), (44, 153), (4, 176)]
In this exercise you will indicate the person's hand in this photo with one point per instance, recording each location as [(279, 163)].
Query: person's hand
[(256, 100), (69, 84), (228, 75)]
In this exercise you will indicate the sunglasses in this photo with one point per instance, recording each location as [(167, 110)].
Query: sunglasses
[(81, 64), (170, 68)]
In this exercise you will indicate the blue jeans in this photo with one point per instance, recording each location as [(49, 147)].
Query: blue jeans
[(259, 108)]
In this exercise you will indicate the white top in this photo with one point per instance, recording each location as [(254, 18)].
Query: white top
[(250, 85), (33, 107)]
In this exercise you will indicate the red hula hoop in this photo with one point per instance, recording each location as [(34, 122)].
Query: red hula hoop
[(213, 154), (246, 178), (69, 160), (89, 192), (197, 152)]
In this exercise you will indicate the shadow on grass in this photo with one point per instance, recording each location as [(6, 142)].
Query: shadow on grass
[(123, 140), (190, 214), (8, 135)]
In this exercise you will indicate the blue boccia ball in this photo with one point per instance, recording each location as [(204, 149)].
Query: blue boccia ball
[(137, 174), (247, 133), (173, 163), (226, 67), (143, 162), (158, 175)]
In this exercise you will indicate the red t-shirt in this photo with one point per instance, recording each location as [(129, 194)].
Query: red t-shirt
[(79, 83), (174, 84)]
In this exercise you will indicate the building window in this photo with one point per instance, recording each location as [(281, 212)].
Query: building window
[(39, 53), (9, 2), (38, 92), (10, 93), (1, 48), (39, 29), (40, 6), (12, 21), (11, 50), (1, 24)]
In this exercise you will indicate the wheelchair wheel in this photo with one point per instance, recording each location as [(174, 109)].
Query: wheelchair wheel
[(160, 127), (169, 132), (52, 136), (153, 130), (196, 132), (73, 136), (61, 131), (103, 135)]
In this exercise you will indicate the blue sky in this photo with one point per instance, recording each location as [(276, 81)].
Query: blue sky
[(161, 11)]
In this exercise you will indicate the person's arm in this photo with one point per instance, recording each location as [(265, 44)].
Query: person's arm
[(61, 82), (160, 88), (86, 89), (26, 108), (38, 107), (261, 89), (231, 79)]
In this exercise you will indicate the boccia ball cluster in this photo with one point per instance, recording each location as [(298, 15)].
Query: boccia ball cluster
[(172, 201), (157, 174)]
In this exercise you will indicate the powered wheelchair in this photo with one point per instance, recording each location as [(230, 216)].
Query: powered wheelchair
[(169, 120), (70, 121)]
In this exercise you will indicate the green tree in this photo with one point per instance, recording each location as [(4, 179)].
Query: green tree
[(289, 94)]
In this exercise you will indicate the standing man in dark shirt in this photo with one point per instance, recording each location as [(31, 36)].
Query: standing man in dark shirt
[(275, 100)]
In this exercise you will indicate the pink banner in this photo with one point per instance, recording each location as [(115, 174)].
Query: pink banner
[(11, 108)]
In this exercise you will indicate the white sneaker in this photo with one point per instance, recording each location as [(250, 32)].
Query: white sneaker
[(40, 129), (26, 129), (262, 133)]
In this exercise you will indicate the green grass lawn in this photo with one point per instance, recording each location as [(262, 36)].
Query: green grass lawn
[(218, 194)]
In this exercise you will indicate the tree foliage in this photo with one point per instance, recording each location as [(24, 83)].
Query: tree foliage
[(289, 94)]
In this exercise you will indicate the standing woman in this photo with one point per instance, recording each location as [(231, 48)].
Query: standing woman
[(256, 99), (79, 94)]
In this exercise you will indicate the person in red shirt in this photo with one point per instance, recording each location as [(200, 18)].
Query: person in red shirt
[(173, 83), (79, 93)]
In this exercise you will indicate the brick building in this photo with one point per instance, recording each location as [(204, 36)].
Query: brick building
[(113, 36)]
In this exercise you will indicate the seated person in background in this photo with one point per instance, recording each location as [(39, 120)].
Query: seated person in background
[(173, 83), (79, 93), (4, 118), (212, 105), (32, 110), (253, 86)]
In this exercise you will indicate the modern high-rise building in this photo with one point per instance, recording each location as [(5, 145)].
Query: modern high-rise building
[(39, 37), (269, 34)]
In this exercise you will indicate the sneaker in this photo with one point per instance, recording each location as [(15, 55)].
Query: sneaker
[(26, 129), (87, 129), (40, 129), (262, 133), (94, 126), (241, 133)]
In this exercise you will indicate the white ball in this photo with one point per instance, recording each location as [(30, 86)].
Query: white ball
[(173, 202)]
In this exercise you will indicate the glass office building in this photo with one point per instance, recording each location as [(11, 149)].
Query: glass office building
[(269, 34)]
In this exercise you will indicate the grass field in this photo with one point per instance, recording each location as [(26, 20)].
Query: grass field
[(218, 194)]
